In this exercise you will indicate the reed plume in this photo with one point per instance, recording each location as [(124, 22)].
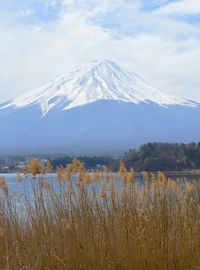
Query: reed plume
[(99, 220)]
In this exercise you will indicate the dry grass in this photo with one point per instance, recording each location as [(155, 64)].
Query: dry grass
[(95, 224)]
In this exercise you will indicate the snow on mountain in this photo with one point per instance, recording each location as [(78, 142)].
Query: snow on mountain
[(98, 107), (97, 80)]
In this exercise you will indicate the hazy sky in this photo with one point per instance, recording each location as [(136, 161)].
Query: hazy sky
[(43, 39)]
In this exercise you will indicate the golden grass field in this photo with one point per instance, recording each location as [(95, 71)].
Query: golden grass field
[(101, 221)]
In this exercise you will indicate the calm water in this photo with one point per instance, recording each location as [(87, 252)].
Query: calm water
[(15, 186)]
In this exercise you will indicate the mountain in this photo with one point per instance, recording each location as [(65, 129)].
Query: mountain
[(97, 80), (97, 107)]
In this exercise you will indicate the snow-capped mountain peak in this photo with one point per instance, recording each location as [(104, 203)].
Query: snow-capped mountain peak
[(97, 80)]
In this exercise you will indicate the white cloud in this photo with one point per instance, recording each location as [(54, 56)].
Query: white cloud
[(27, 12), (51, 3), (182, 7)]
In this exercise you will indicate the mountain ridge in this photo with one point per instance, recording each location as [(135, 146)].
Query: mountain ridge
[(105, 109), (96, 80)]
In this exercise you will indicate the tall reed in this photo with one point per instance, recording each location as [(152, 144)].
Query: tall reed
[(101, 220)]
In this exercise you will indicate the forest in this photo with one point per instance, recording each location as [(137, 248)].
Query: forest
[(149, 157), (162, 157), (93, 162)]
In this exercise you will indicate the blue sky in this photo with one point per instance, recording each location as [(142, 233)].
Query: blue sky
[(43, 39)]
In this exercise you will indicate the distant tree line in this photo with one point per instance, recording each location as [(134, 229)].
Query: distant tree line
[(162, 157), (149, 157), (89, 162)]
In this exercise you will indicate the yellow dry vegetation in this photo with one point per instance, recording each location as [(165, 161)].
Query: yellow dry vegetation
[(101, 220)]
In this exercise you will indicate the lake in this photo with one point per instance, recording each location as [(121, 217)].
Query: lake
[(20, 187)]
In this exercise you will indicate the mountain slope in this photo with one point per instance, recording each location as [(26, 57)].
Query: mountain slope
[(96, 108), (97, 80), (102, 126)]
